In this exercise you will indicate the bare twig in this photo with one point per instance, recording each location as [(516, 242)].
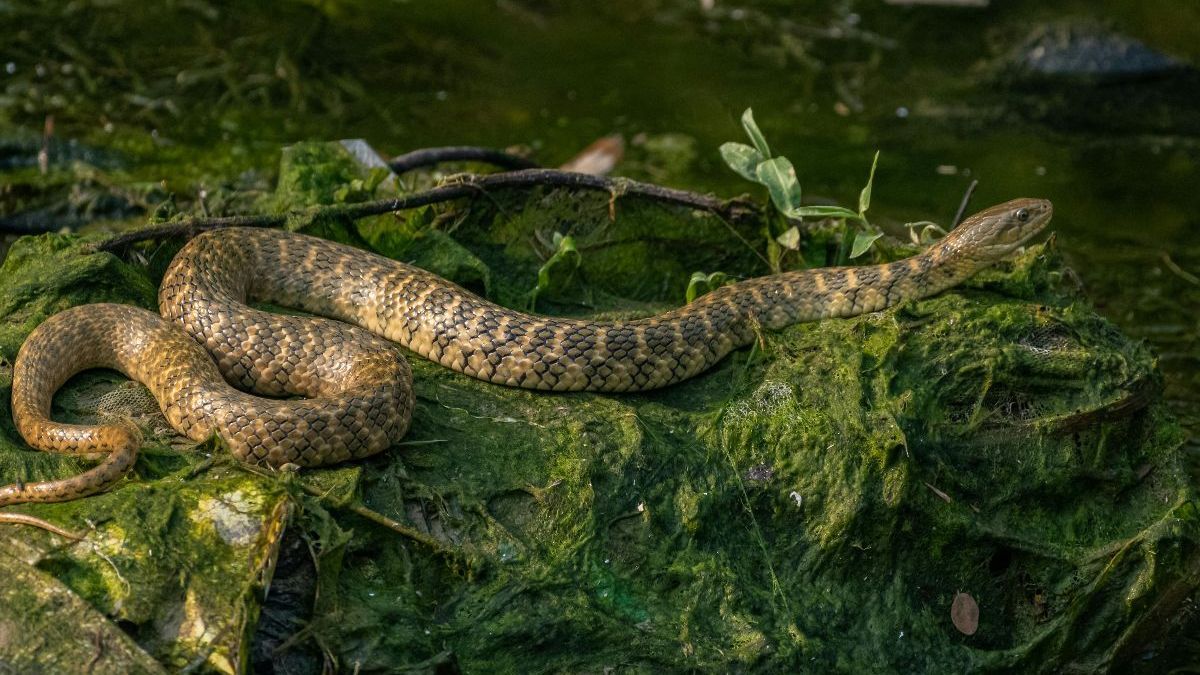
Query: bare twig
[(962, 206), (1179, 271), (358, 509), (43, 157), (459, 153), (391, 524), (945, 497), (465, 186)]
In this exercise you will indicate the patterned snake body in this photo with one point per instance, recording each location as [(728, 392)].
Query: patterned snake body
[(357, 387)]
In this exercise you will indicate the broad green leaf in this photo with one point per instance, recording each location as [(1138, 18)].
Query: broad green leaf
[(780, 178), (823, 212), (862, 242), (790, 239), (864, 197), (742, 159), (755, 135)]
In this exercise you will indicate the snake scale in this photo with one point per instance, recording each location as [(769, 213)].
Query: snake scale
[(355, 386)]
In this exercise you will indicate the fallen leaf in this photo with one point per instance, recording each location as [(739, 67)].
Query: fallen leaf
[(964, 612)]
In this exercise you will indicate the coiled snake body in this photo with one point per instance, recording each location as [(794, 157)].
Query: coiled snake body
[(357, 387)]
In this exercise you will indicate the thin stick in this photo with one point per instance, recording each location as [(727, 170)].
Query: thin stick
[(459, 153), (962, 206), (358, 509), (31, 521), (400, 528), (393, 525), (465, 186), (1179, 271)]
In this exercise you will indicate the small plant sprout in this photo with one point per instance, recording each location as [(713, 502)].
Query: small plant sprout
[(566, 257), (924, 232), (702, 283), (777, 174)]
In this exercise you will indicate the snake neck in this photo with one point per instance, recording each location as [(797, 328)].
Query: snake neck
[(940, 267), (837, 292)]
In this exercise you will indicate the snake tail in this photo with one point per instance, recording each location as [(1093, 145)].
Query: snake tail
[(354, 415)]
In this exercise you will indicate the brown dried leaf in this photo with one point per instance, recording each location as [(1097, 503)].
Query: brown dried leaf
[(964, 612)]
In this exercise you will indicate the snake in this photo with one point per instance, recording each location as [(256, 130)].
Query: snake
[(330, 385)]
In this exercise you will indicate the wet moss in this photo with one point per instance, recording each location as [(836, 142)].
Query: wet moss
[(46, 274), (45, 626)]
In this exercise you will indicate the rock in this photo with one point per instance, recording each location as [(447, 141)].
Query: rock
[(1077, 76), (1085, 51), (667, 529)]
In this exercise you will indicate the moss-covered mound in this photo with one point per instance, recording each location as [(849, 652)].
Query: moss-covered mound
[(814, 503)]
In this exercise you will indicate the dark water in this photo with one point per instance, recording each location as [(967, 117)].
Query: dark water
[(186, 95)]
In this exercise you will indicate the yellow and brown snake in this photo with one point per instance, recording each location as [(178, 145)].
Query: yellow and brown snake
[(356, 386)]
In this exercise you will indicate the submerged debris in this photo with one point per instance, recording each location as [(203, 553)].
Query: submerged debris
[(1087, 50), (760, 473), (964, 612)]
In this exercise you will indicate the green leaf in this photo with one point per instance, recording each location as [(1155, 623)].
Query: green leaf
[(864, 197), (862, 242), (693, 288), (790, 239), (742, 159), (774, 255), (780, 178), (929, 232), (756, 136), (710, 282), (823, 212), (566, 253)]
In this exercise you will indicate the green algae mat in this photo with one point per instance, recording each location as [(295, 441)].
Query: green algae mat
[(981, 481)]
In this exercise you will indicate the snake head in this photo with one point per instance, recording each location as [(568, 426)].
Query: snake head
[(993, 233)]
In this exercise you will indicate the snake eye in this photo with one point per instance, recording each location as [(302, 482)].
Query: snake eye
[(1022, 215)]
